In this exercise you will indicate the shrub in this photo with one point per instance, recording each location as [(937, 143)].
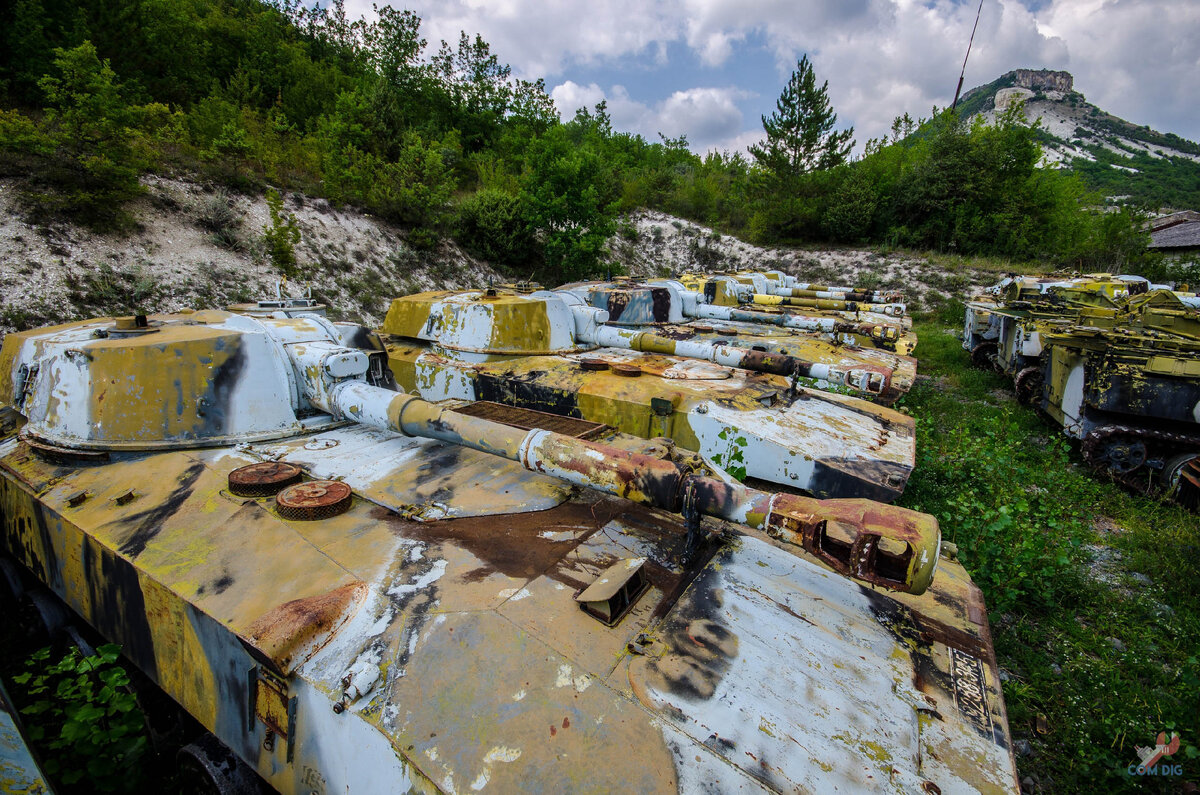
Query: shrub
[(281, 235), (83, 710), (492, 224)]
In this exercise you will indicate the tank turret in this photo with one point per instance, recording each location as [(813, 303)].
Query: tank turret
[(716, 296), (662, 308), (551, 352), (757, 288), (779, 283), (355, 590)]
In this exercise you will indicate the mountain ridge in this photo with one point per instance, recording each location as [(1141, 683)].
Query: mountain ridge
[(1126, 162)]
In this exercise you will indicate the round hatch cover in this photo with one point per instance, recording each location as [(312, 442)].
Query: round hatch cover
[(316, 499), (263, 478)]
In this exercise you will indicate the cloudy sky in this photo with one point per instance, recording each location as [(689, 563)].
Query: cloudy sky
[(711, 68)]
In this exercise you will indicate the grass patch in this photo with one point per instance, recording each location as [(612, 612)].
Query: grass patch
[(1092, 592)]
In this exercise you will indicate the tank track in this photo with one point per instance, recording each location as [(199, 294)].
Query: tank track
[(1028, 385), (1136, 479), (983, 355)]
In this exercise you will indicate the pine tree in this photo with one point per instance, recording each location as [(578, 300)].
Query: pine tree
[(800, 134)]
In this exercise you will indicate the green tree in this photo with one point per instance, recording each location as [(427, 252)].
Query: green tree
[(94, 171), (800, 133), (281, 235), (571, 192)]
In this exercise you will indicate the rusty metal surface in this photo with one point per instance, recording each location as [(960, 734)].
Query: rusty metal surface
[(473, 625), (20, 773), (528, 419), (829, 444), (427, 637), (265, 477), (314, 499)]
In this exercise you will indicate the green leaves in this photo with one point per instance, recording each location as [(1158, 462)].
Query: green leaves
[(800, 134), (87, 722), (281, 234)]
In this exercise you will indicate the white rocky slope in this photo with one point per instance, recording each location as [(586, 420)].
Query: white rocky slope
[(61, 272), (655, 244), (353, 261), (1064, 120)]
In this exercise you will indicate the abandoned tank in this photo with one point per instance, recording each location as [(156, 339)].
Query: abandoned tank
[(552, 352), (356, 591), (1114, 361), (1126, 384), (765, 286), (720, 291), (663, 309), (1002, 328)]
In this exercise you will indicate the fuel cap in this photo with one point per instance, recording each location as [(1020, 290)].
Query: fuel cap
[(315, 499), (263, 478)]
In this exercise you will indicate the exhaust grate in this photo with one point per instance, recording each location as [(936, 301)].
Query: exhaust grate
[(528, 419)]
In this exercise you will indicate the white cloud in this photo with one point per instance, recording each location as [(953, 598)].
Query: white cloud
[(1139, 60), (709, 117), (1135, 58), (539, 37)]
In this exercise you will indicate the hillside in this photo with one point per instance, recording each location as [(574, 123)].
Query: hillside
[(1124, 161), (199, 246)]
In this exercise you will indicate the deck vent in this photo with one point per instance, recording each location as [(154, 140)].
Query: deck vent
[(615, 592)]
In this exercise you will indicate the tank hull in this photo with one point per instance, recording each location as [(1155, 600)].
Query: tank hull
[(826, 444), (487, 674)]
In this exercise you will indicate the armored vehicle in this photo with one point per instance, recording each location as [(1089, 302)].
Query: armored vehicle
[(661, 309), (357, 591), (1127, 385), (857, 326), (764, 285), (778, 280), (551, 352), (1002, 329)]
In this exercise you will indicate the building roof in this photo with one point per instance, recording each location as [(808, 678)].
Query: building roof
[(1183, 235), (1172, 219)]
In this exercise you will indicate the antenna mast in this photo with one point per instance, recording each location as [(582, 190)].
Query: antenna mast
[(968, 55)]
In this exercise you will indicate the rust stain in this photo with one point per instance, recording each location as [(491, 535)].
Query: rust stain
[(283, 632)]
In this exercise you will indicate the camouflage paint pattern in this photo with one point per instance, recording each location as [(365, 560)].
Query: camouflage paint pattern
[(393, 648)]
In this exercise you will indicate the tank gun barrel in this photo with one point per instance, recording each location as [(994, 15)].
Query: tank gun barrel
[(872, 380), (863, 296), (591, 327), (695, 306), (848, 293), (764, 299), (879, 544)]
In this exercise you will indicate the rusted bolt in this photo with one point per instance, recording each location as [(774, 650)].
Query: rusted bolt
[(627, 370), (339, 707), (593, 364), (703, 329), (76, 499), (263, 478), (126, 498), (316, 499), (269, 740)]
